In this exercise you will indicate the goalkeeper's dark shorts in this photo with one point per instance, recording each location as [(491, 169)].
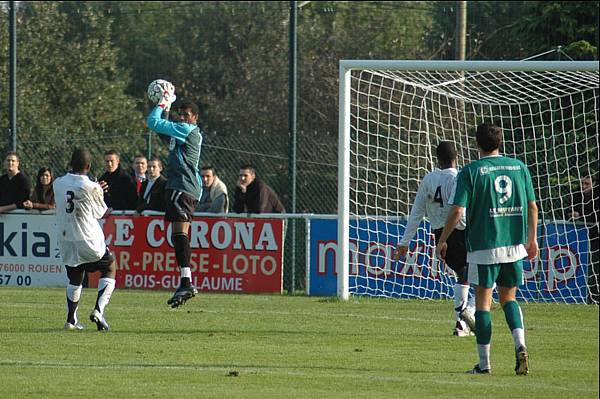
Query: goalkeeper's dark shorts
[(180, 206), (456, 254)]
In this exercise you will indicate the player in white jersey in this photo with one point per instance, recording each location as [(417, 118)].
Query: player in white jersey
[(433, 200), (79, 205)]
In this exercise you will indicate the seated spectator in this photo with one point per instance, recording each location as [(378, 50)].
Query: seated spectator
[(43, 194), (119, 189), (140, 167), (153, 189), (15, 186), (214, 192), (252, 195)]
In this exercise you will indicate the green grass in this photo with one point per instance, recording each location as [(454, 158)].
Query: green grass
[(283, 346)]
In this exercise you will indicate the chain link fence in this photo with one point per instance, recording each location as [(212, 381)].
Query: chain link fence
[(316, 184)]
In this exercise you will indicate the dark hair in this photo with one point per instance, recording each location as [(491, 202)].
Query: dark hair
[(208, 167), (80, 160), (39, 189), (155, 159), (139, 156), (191, 106), (112, 152), (446, 153), (13, 153), (249, 167), (488, 136)]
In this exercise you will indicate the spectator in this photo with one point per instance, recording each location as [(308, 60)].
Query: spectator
[(43, 195), (252, 195), (153, 189), (15, 186), (585, 209), (119, 189), (214, 192), (140, 167)]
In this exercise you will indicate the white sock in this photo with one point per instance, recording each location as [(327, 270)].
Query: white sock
[(186, 272), (484, 356), (106, 286), (518, 337), (73, 295), (461, 295)]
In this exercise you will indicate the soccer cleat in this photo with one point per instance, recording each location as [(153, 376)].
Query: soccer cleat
[(478, 370), (522, 366), (468, 317), (72, 327), (100, 321), (181, 296), (462, 330)]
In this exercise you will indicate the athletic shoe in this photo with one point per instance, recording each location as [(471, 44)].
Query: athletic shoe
[(181, 296), (462, 330), (477, 370), (100, 321), (522, 366), (76, 326), (468, 317)]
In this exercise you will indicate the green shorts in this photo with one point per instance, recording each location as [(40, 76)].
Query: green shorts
[(503, 274)]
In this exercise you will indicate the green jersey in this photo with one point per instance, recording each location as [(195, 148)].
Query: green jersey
[(496, 191)]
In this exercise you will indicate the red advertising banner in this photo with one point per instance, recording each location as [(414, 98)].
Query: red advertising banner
[(239, 255)]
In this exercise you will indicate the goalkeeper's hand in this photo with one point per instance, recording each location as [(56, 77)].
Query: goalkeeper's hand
[(168, 96), (166, 101)]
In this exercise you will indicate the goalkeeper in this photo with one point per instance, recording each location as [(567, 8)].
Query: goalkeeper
[(433, 200), (501, 230), (184, 185)]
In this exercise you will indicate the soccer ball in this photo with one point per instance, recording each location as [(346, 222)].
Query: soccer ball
[(155, 89)]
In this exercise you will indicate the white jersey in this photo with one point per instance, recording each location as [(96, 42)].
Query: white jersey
[(79, 205), (434, 199)]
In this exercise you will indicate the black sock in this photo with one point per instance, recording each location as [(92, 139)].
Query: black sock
[(182, 249)]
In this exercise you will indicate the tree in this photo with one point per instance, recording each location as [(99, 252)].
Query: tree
[(69, 85)]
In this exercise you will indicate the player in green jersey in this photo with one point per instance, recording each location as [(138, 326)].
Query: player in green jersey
[(497, 193)]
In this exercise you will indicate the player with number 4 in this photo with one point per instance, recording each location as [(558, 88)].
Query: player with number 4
[(433, 200), (497, 193)]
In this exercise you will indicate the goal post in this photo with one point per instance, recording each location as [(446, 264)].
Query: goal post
[(392, 114)]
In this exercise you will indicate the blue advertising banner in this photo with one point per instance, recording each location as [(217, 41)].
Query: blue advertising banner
[(559, 274)]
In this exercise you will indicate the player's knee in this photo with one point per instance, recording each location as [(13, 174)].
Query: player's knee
[(111, 270)]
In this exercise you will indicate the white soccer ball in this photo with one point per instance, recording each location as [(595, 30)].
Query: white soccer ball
[(156, 87)]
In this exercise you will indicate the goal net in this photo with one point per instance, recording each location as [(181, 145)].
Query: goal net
[(392, 116)]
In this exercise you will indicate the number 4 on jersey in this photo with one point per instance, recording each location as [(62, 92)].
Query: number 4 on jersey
[(437, 197)]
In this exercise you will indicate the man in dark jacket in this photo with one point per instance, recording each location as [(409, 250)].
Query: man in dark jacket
[(119, 189), (252, 195), (152, 192), (15, 186)]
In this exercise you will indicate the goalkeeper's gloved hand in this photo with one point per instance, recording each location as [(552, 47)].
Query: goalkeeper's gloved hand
[(168, 96), (166, 101)]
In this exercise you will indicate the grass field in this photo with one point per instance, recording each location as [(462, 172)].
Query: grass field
[(246, 346)]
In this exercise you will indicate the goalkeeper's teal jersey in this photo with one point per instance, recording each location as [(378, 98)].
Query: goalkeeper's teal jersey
[(186, 142), (496, 191)]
